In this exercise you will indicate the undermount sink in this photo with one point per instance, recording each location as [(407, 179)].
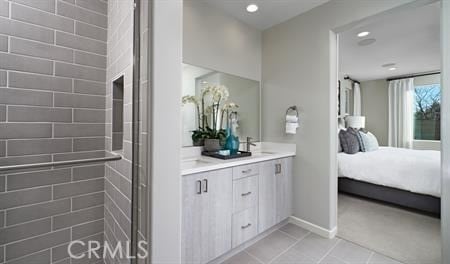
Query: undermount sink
[(193, 163)]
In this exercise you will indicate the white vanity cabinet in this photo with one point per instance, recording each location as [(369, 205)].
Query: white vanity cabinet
[(283, 179), (224, 208), (275, 192), (206, 216), (267, 213)]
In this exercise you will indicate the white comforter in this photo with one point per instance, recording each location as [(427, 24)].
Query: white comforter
[(412, 170)]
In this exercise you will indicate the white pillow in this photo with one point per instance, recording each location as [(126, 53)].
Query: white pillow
[(369, 140)]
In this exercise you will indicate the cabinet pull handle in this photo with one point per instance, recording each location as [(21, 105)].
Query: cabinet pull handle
[(205, 186), (246, 194), (198, 187), (277, 168), (246, 226), (247, 171)]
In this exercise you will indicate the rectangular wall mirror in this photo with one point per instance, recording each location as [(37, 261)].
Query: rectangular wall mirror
[(245, 93)]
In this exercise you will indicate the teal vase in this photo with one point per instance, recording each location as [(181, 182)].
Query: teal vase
[(232, 142)]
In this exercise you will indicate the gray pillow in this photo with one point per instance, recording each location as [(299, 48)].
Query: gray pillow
[(349, 141), (339, 142)]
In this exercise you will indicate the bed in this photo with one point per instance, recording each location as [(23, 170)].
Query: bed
[(405, 177)]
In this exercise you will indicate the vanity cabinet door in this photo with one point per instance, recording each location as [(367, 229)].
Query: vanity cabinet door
[(206, 215), (267, 196), (283, 176), (219, 210), (194, 219)]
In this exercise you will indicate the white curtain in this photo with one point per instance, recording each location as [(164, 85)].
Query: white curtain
[(401, 120), (356, 99)]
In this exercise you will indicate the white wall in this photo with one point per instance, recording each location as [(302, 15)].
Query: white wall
[(427, 79), (296, 71), (220, 42), (165, 136), (445, 200)]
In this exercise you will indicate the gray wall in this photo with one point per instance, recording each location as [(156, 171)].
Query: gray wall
[(375, 107), (214, 40), (118, 173), (52, 100), (296, 71)]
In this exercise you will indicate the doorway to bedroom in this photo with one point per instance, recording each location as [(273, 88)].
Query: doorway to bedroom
[(389, 116)]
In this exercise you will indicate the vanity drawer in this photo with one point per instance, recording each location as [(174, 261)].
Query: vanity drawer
[(245, 226), (245, 193), (245, 171)]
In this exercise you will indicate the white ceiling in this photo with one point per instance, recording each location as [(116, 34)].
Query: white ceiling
[(270, 12), (410, 39)]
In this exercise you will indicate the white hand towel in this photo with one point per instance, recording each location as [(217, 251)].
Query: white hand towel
[(291, 124), (291, 128), (291, 119)]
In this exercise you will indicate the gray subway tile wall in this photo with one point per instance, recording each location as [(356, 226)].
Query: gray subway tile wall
[(40, 50), (90, 31), (40, 82), (118, 173), (39, 114), (23, 214), (3, 43), (25, 180), (40, 257), (53, 68), (88, 200), (15, 28), (25, 159), (48, 5), (45, 19), (2, 113)]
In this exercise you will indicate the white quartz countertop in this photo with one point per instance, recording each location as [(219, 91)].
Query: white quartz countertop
[(193, 162)]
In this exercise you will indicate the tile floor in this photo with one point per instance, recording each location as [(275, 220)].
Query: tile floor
[(291, 244)]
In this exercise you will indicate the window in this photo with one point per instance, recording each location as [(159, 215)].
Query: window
[(427, 112)]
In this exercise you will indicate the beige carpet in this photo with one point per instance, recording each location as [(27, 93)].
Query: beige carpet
[(408, 237)]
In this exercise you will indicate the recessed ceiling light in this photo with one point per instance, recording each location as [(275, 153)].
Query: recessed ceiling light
[(363, 34), (388, 65), (367, 42), (251, 8), (392, 68)]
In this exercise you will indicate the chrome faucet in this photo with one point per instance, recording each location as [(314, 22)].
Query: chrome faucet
[(249, 143)]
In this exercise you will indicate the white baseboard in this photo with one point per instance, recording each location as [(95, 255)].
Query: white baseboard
[(313, 228)]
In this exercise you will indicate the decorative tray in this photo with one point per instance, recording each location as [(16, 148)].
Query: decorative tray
[(215, 154)]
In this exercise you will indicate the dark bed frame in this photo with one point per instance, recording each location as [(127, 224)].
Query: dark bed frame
[(421, 202)]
